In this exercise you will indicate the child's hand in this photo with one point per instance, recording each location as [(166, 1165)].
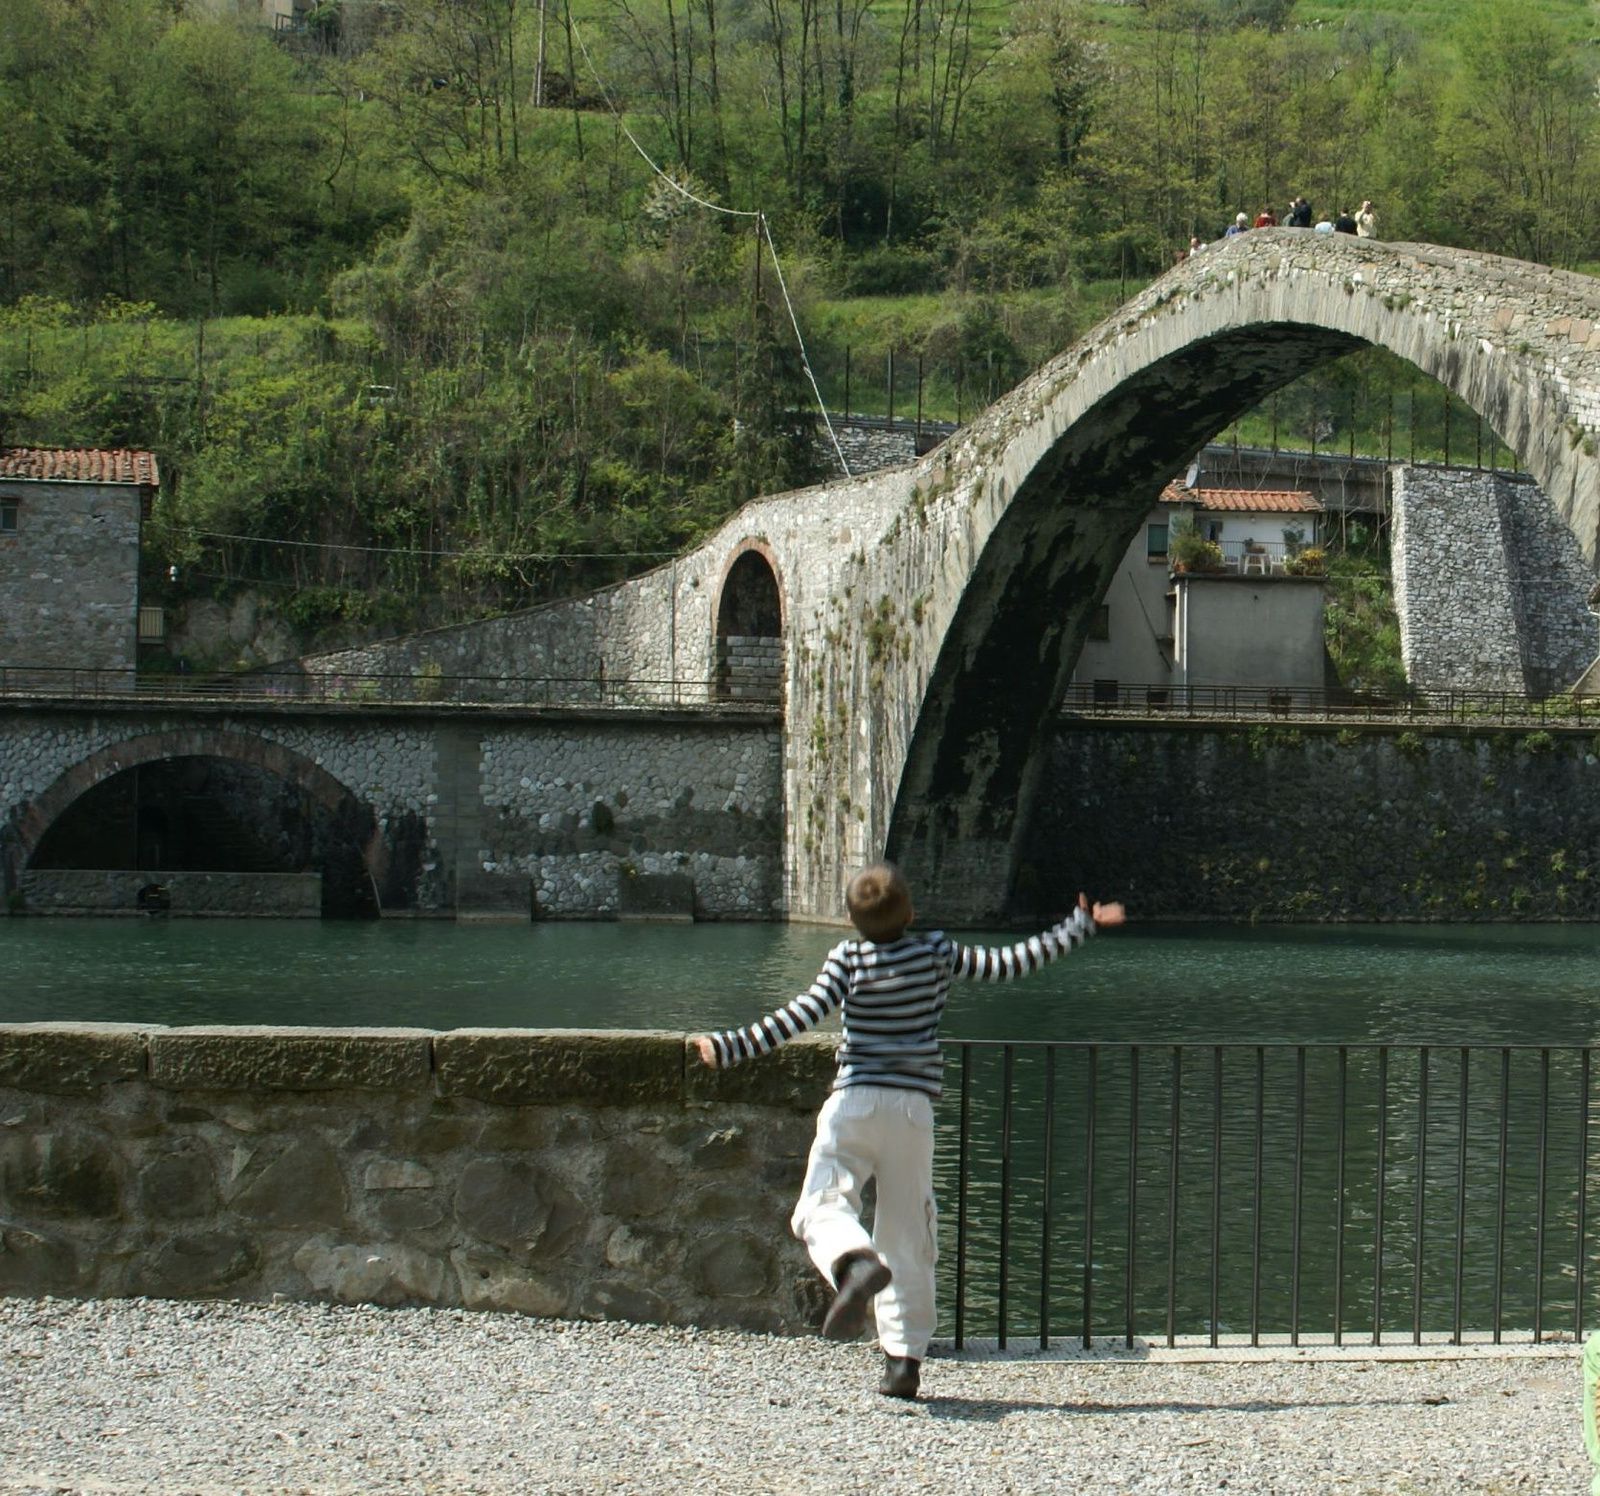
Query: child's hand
[(1104, 915), (706, 1050)]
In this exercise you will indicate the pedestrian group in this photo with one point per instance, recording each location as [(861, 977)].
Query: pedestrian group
[(1363, 223)]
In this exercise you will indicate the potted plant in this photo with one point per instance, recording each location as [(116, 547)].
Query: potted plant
[(1308, 561), (1188, 550)]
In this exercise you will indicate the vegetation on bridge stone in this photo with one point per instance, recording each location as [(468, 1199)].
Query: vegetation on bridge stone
[(418, 333)]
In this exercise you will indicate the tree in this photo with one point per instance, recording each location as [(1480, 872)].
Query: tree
[(1522, 167)]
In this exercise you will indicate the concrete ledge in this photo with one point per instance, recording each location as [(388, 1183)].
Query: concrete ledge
[(528, 1067), (797, 1076), (291, 1059), (72, 1057), (512, 1067)]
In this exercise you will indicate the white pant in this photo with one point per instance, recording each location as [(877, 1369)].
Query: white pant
[(877, 1132)]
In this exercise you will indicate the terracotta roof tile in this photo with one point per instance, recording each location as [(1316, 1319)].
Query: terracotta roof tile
[(80, 465), (1243, 500)]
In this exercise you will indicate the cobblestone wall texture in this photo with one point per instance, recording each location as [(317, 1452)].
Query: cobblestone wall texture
[(1489, 584), (69, 576), (531, 812), (592, 1176), (584, 806), (1322, 823), (202, 895)]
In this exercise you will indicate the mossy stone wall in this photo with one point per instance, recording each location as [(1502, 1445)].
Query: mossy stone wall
[(1321, 822), (566, 1173)]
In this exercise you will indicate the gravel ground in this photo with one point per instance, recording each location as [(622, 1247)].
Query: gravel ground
[(178, 1398)]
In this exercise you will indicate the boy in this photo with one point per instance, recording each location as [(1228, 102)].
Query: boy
[(878, 1121)]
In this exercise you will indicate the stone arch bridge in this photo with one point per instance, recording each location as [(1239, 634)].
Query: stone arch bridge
[(931, 616)]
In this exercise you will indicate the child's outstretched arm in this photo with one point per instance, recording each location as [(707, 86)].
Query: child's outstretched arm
[(1001, 963), (824, 996)]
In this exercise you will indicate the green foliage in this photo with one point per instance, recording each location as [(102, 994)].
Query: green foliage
[(430, 336), (1360, 627), (1189, 550)]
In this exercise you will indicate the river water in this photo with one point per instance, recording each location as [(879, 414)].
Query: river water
[(1485, 1207), (1450, 984)]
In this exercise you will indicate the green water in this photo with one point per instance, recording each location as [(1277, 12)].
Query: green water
[(1444, 984)]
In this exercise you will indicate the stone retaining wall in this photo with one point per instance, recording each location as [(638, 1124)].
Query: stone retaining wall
[(1489, 584), (232, 895), (1317, 822), (588, 1175)]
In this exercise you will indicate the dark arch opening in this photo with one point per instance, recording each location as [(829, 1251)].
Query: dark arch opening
[(749, 659), (202, 813)]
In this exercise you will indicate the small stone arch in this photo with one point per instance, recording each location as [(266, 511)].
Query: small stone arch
[(748, 658), (354, 819)]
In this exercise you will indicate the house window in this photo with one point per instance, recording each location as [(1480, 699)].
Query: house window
[(1100, 624), (1155, 541), (8, 515)]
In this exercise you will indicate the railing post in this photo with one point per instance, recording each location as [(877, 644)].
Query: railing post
[(1048, 1193), (1216, 1188), (1130, 1275), (1255, 1209), (1377, 1202), (1340, 1131), (1500, 1194), (1091, 1099), (1422, 1192), (1461, 1197), (1583, 1192), (1007, 1061), (1172, 1194), (962, 1166), (1299, 1192)]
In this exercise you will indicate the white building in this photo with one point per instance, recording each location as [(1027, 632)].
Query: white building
[(1249, 616)]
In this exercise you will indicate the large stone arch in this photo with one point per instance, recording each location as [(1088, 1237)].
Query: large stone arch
[(951, 634), (355, 818)]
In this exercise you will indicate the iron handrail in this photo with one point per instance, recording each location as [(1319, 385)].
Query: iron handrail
[(1114, 698), (422, 688), (1378, 1189)]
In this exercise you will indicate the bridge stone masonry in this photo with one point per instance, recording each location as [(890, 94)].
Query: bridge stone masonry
[(931, 615), (499, 812)]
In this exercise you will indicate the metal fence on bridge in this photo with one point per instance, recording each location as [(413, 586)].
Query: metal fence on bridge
[(1241, 1192), (1113, 698), (420, 688), (1101, 698)]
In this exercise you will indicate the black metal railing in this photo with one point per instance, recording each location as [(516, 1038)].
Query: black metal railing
[(420, 688), (1238, 1191), (1115, 698)]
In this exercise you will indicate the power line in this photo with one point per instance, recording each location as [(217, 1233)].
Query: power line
[(762, 227), (399, 550)]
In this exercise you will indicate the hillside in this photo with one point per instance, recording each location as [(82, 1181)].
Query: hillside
[(436, 311)]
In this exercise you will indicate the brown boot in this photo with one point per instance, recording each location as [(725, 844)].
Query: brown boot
[(859, 1277), (901, 1377)]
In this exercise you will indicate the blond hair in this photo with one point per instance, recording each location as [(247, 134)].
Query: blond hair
[(879, 901)]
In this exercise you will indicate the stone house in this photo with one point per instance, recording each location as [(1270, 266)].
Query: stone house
[(69, 555), (1254, 621)]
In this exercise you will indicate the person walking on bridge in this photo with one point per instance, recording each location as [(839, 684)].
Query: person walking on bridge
[(890, 985)]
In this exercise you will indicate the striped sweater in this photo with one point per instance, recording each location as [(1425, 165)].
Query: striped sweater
[(892, 996)]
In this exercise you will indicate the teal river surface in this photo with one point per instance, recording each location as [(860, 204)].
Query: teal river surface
[(1424, 983), (1240, 1211)]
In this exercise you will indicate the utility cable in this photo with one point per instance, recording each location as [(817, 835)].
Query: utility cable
[(805, 362), (762, 227), (400, 550)]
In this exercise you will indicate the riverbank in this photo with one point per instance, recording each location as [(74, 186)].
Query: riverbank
[(201, 1399)]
